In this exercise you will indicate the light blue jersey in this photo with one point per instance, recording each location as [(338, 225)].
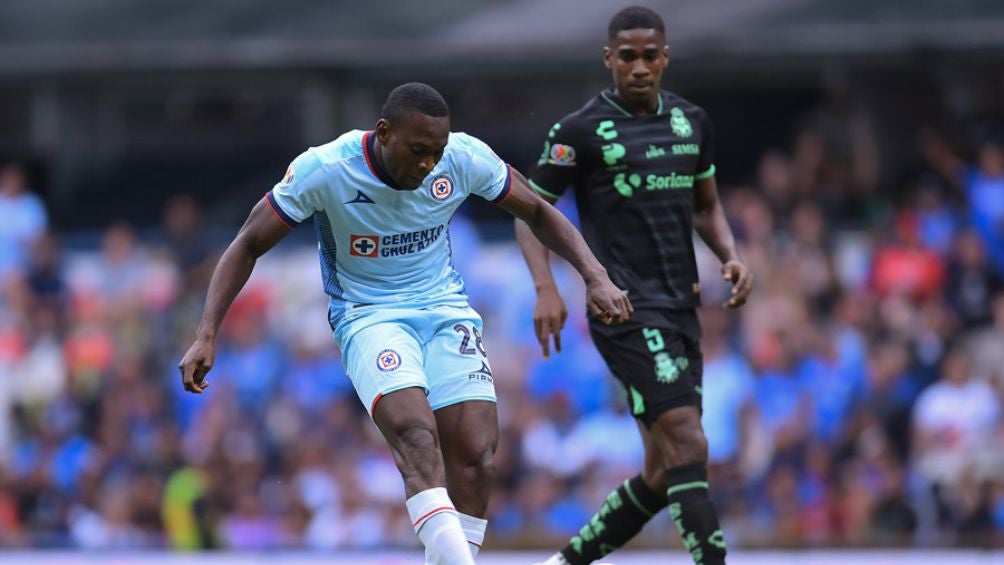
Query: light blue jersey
[(379, 245)]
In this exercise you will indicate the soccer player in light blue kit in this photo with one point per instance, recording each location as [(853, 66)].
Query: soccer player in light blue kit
[(381, 202)]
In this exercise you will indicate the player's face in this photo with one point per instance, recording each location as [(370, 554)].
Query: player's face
[(412, 146), (637, 57)]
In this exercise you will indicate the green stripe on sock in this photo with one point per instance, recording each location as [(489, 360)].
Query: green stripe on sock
[(686, 486), (634, 499)]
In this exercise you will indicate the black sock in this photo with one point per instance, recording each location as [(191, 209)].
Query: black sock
[(620, 518), (695, 517)]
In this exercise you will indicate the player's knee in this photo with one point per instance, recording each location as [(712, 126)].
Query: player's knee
[(682, 437), (476, 463)]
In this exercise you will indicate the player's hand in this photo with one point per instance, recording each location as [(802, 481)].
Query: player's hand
[(196, 363), (608, 303), (742, 283), (549, 317)]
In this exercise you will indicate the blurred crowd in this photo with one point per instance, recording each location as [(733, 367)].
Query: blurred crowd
[(856, 400)]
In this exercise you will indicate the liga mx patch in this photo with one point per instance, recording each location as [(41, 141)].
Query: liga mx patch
[(287, 179), (364, 245), (441, 187), (388, 360), (562, 155)]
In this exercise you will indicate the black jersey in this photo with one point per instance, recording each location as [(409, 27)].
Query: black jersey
[(633, 177)]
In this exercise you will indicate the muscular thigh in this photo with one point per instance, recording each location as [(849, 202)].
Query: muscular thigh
[(382, 354), (468, 431), (456, 359), (659, 364)]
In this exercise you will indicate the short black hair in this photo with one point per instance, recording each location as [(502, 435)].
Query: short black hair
[(414, 97), (634, 17)]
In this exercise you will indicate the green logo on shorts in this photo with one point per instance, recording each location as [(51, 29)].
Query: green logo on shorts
[(667, 369)]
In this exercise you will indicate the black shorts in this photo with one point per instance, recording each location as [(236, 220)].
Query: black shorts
[(657, 357)]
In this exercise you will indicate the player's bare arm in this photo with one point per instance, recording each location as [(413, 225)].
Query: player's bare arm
[(550, 227), (711, 224), (549, 313), (260, 232)]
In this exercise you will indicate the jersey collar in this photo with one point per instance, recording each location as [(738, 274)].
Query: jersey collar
[(369, 151), (610, 96)]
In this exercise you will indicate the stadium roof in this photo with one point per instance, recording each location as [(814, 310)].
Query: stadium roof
[(45, 36)]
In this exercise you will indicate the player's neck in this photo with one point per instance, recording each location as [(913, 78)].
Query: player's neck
[(637, 107), (376, 151)]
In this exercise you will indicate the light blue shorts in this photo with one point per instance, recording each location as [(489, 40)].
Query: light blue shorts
[(439, 349)]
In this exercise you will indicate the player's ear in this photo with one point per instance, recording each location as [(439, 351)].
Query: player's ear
[(607, 52), (383, 130), (665, 51)]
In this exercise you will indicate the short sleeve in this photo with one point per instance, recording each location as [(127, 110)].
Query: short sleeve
[(558, 163), (297, 196), (706, 159), (487, 174)]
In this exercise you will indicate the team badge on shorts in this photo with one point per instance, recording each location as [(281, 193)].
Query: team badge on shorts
[(388, 360), (441, 187)]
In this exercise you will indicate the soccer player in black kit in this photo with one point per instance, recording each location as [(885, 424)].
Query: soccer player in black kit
[(640, 161)]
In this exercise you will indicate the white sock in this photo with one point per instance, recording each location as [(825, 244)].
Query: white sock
[(435, 521), (474, 531)]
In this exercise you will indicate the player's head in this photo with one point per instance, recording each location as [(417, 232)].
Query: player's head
[(413, 129), (636, 53)]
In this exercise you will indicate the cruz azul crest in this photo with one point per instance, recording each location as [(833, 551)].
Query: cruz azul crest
[(388, 360), (441, 187)]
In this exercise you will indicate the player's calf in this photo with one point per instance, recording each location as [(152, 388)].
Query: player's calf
[(469, 435), (678, 434)]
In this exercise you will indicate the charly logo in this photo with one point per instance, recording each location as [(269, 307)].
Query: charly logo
[(679, 122), (388, 360), (562, 155), (441, 187), (612, 152)]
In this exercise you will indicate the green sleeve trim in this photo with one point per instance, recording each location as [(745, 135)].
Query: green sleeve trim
[(541, 190), (686, 486), (706, 174), (634, 499)]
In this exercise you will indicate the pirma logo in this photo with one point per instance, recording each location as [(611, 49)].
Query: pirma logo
[(484, 374), (441, 187), (388, 360), (364, 245)]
